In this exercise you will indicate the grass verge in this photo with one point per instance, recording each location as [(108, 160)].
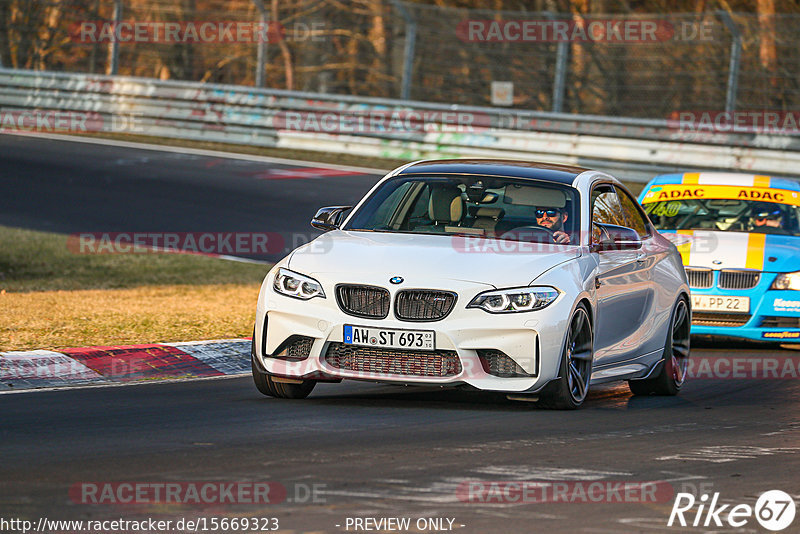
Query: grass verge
[(51, 298)]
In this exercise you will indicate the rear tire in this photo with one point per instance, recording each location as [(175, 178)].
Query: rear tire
[(676, 357), (569, 390), (269, 387)]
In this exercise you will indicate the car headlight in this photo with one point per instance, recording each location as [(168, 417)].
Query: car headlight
[(296, 285), (787, 281), (515, 300)]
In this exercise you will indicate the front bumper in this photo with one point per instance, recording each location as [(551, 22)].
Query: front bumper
[(773, 315), (533, 340)]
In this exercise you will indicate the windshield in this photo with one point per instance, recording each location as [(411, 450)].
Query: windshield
[(480, 206), (725, 215)]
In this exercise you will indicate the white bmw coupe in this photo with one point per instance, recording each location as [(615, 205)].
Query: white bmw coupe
[(532, 279)]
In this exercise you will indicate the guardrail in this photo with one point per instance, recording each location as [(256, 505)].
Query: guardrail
[(373, 126)]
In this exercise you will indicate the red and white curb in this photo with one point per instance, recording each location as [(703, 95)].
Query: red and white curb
[(123, 364)]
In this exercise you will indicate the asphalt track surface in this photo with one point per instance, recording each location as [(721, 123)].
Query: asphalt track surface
[(373, 450), (394, 451), (70, 187)]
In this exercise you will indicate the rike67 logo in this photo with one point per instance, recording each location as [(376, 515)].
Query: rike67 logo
[(774, 510)]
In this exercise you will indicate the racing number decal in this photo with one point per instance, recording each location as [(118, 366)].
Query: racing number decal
[(665, 209)]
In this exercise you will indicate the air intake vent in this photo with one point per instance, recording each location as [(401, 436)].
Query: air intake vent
[(294, 349), (699, 278), (423, 304), (439, 363), (738, 279), (498, 363), (369, 302), (780, 322), (720, 319)]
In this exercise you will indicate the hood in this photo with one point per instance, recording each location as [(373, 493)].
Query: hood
[(416, 257), (737, 250)]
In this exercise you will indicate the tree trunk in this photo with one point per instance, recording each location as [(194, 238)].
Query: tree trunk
[(285, 52)]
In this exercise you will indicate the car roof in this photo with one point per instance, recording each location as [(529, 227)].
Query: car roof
[(564, 174), (724, 178)]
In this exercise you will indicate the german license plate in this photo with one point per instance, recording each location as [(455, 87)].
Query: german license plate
[(721, 304), (389, 338)]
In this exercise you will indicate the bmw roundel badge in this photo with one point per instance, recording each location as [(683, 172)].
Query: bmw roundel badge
[(396, 279)]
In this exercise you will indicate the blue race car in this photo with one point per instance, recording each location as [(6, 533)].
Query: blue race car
[(739, 237)]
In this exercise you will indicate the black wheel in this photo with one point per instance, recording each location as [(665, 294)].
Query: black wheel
[(569, 390), (268, 386), (672, 375)]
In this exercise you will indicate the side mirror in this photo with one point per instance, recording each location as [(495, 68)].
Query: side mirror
[(329, 218), (613, 237)]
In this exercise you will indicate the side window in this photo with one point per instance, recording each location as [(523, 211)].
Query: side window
[(606, 207), (635, 218)]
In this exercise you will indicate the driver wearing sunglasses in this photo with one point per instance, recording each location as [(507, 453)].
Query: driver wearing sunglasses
[(767, 219), (553, 219)]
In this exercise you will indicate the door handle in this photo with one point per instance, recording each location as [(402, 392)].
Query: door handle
[(641, 257)]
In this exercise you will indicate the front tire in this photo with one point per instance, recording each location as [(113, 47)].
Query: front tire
[(269, 387), (569, 390), (676, 358)]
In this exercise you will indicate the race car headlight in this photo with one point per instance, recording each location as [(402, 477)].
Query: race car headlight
[(296, 285), (515, 300), (787, 281)]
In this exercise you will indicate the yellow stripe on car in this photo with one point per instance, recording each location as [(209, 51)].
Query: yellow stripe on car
[(755, 251), (761, 181), (685, 248)]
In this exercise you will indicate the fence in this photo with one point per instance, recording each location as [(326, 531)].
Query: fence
[(621, 65), (46, 101)]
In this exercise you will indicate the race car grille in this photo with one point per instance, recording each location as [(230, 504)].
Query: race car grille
[(440, 363), (780, 322), (369, 302), (423, 304), (738, 279), (719, 319), (294, 349), (700, 277), (498, 363)]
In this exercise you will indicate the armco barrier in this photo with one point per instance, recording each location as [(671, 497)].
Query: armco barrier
[(244, 115)]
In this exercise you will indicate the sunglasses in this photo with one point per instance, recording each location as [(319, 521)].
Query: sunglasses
[(766, 215), (549, 213)]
